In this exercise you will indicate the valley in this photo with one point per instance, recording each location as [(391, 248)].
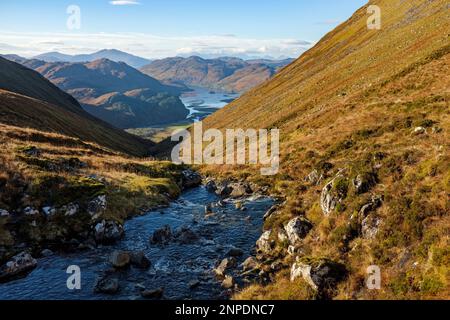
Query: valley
[(360, 175)]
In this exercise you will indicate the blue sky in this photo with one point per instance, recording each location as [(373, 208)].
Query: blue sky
[(157, 28)]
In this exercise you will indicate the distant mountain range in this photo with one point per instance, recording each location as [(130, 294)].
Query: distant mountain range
[(225, 74), (27, 99), (110, 54), (115, 92)]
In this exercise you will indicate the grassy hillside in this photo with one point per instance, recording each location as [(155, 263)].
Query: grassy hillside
[(41, 170), (29, 100), (372, 105)]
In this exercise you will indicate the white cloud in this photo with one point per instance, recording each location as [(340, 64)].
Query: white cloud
[(149, 46), (123, 3)]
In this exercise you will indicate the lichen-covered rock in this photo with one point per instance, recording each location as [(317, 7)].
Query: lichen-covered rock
[(264, 244), (320, 274), (97, 206), (108, 232), (314, 177), (370, 226), (19, 265), (297, 229), (333, 193)]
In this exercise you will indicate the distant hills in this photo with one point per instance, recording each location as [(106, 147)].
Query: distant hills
[(115, 92), (225, 74), (28, 100), (110, 54)]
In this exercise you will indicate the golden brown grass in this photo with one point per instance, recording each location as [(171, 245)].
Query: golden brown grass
[(354, 101)]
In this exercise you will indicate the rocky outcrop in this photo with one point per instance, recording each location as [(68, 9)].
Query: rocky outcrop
[(297, 229), (70, 210), (108, 232), (333, 193), (19, 265), (321, 274), (370, 226), (4, 213)]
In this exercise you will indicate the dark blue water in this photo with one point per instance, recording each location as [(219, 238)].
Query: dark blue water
[(173, 266)]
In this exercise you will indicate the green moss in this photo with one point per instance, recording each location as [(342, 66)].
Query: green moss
[(58, 190), (340, 186)]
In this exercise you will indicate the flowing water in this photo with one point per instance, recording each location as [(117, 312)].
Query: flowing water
[(202, 102), (174, 266)]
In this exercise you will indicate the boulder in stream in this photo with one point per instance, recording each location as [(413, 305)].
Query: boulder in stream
[(19, 265)]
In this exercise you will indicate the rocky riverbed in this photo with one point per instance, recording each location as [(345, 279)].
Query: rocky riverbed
[(197, 248)]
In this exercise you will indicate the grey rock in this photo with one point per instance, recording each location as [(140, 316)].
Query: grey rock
[(30, 211), (249, 264), (107, 285), (18, 265), (120, 259), (370, 226), (4, 213), (224, 265), (297, 229), (153, 294), (319, 274), (228, 282), (97, 206), (108, 232), (139, 260), (264, 244), (191, 179), (161, 236), (210, 186), (235, 252)]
